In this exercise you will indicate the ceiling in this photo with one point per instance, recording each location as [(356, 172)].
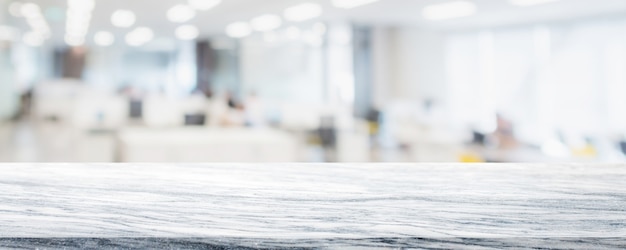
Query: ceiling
[(151, 13)]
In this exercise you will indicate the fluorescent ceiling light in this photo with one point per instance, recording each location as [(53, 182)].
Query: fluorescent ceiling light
[(266, 23), (104, 38), (204, 5), (123, 18), (181, 13), (449, 10), (139, 36), (82, 5), (238, 30), (77, 22), (530, 2), (30, 10), (303, 12), (187, 32), (349, 4)]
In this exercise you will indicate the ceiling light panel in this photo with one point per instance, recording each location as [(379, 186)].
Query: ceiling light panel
[(139, 36), (104, 38), (79, 14), (187, 32), (349, 4), (238, 30), (123, 18), (204, 5), (531, 2), (266, 22), (449, 10), (303, 12), (181, 13)]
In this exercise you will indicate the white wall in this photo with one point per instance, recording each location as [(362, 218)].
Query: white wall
[(381, 66), (8, 93), (408, 64)]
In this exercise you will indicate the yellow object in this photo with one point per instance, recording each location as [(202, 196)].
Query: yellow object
[(586, 151), (470, 158), (373, 128)]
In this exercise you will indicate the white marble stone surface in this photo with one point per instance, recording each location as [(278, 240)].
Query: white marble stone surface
[(313, 201)]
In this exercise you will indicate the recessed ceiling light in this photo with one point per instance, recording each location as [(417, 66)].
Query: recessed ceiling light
[(104, 38), (349, 4), (123, 18), (30, 10), (82, 5), (530, 2), (187, 32), (449, 10), (204, 5), (238, 30), (180, 13), (266, 22), (139, 36), (303, 12)]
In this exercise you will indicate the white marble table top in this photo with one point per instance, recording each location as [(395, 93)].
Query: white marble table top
[(313, 201)]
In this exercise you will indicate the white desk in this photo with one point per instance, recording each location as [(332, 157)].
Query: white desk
[(199, 144)]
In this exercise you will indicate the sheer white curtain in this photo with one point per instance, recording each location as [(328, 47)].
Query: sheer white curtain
[(467, 90), (566, 78)]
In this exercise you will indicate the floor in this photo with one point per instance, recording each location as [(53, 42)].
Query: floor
[(27, 141)]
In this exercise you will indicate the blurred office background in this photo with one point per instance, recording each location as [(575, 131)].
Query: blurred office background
[(312, 80)]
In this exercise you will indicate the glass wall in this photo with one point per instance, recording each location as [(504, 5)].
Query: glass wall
[(169, 68), (285, 65)]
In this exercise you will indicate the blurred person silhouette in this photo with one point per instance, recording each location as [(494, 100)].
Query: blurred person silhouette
[(225, 112), (328, 135), (218, 107), (504, 133), (135, 100), (195, 108), (26, 103), (230, 99)]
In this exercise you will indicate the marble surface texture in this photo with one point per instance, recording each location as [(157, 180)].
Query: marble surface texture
[(200, 206)]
